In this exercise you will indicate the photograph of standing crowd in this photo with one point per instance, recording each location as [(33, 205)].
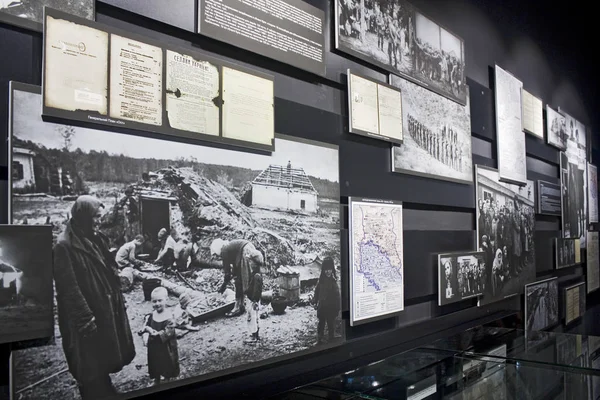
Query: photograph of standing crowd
[(461, 276), (392, 34), (505, 233)]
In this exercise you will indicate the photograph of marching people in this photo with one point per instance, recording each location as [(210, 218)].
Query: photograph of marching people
[(393, 35), (541, 304), (505, 233), (437, 135), (173, 261), (566, 252), (33, 10), (573, 166), (556, 126), (460, 276), (25, 282)]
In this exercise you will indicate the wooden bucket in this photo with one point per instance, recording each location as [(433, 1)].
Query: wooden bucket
[(289, 286)]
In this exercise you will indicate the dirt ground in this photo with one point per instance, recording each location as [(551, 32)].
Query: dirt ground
[(25, 319)]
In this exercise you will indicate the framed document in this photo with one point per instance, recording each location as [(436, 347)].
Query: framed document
[(532, 114), (135, 81), (510, 139), (192, 86), (376, 259), (541, 304), (548, 198), (248, 107), (592, 262), (375, 108), (592, 176), (461, 276), (556, 128), (84, 84), (574, 302)]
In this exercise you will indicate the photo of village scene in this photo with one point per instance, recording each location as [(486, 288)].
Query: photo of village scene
[(215, 259)]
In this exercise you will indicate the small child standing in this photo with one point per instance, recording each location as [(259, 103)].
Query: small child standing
[(327, 300), (159, 336)]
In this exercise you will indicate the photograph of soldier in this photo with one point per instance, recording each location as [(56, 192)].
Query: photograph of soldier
[(395, 36), (461, 276), (541, 304), (505, 232)]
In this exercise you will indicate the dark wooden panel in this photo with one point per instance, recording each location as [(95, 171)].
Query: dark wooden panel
[(300, 120), (544, 250), (434, 220), (482, 148), (4, 202), (542, 168), (539, 149), (482, 110), (179, 13), (372, 328)]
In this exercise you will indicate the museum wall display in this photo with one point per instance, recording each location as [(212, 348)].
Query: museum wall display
[(541, 304), (205, 88)]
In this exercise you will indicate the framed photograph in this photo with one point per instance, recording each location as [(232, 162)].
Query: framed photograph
[(592, 178), (375, 108), (505, 233), (541, 305), (556, 128), (461, 276), (170, 206), (566, 252), (26, 293), (574, 302), (510, 139), (376, 259), (532, 114), (437, 135), (592, 262), (549, 198), (397, 37), (29, 14)]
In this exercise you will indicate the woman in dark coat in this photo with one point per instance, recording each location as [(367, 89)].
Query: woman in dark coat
[(93, 322), (327, 300)]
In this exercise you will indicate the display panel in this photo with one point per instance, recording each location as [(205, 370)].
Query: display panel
[(437, 135), (375, 109), (541, 304), (460, 276), (549, 198), (566, 252), (574, 301), (30, 14), (505, 233), (592, 262), (26, 292), (408, 44), (532, 114), (290, 31), (573, 166), (556, 127), (592, 186), (376, 259), (286, 206), (153, 87), (510, 140)]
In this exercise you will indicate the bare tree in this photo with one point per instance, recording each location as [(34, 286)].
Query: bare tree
[(67, 133)]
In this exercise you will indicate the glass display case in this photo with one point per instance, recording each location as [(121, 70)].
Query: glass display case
[(481, 363)]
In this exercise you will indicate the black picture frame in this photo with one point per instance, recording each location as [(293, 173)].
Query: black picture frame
[(441, 275), (550, 324), (541, 184)]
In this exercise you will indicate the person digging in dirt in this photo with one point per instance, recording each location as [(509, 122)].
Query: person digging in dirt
[(126, 255), (92, 318), (159, 336), (166, 256), (327, 300), (242, 262)]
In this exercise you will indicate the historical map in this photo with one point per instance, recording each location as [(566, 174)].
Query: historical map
[(377, 284)]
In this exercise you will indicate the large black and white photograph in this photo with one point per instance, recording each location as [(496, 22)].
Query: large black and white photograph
[(395, 36), (565, 252), (25, 283), (460, 276), (541, 304), (437, 135), (506, 234), (174, 262), (573, 166), (556, 128), (33, 10)]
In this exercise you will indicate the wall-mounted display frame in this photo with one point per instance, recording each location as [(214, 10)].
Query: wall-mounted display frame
[(592, 189), (566, 252), (510, 139), (374, 108), (549, 198), (148, 86), (510, 257), (461, 276), (592, 262), (376, 259), (532, 114), (574, 302), (418, 47), (30, 14), (541, 305), (437, 135), (26, 286), (556, 128), (290, 31), (165, 178)]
